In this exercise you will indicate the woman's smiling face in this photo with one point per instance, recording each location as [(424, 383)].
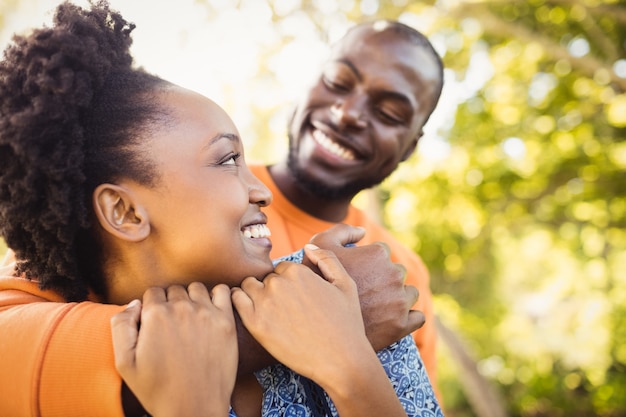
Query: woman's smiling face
[(204, 208)]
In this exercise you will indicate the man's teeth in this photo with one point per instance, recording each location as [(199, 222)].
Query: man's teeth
[(256, 231), (331, 146)]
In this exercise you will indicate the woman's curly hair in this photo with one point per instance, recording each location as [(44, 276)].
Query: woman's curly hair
[(71, 108)]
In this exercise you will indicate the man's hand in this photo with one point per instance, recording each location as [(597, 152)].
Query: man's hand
[(385, 301)]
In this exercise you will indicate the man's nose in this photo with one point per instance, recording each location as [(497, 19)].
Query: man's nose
[(350, 111)]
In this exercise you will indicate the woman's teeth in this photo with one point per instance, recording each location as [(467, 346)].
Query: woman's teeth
[(256, 231), (331, 146)]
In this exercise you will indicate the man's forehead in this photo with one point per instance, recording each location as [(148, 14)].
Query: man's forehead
[(379, 42), (391, 61)]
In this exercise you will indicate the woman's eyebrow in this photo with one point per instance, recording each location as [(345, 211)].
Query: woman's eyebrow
[(229, 136)]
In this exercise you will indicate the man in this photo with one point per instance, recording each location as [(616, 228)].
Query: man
[(363, 116)]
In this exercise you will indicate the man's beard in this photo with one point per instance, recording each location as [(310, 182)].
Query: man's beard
[(319, 188)]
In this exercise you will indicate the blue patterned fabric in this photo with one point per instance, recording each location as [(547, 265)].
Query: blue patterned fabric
[(288, 394)]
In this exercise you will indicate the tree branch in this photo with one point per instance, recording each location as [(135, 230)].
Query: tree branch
[(587, 65), (480, 393)]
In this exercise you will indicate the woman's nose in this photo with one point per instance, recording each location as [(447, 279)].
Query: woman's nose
[(259, 193)]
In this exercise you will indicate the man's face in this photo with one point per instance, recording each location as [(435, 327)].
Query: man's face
[(364, 114)]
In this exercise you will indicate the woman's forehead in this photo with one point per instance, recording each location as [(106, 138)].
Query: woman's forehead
[(186, 106)]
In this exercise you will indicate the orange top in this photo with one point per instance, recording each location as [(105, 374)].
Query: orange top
[(292, 228), (56, 358)]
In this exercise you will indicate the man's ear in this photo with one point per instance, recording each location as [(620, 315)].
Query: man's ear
[(412, 146), (119, 213)]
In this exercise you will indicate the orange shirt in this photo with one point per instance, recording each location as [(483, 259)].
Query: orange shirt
[(291, 228), (56, 358)]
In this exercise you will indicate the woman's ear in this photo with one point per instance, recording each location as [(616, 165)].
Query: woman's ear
[(119, 213)]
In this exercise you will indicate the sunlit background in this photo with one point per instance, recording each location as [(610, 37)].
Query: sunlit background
[(516, 198)]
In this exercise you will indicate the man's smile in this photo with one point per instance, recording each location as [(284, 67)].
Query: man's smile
[(331, 146)]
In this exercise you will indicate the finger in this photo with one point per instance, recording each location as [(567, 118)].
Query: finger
[(403, 271), (252, 285), (339, 235), (416, 320), (177, 293), (332, 270), (221, 297), (125, 330), (412, 294), (242, 303), (198, 293), (154, 295)]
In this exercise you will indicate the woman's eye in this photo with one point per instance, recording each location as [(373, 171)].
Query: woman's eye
[(232, 159)]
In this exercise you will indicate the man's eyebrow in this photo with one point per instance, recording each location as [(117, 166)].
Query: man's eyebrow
[(352, 67), (230, 136), (397, 96)]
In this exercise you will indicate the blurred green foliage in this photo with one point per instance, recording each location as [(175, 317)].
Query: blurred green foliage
[(522, 221)]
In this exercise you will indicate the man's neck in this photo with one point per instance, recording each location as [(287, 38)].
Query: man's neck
[(330, 210)]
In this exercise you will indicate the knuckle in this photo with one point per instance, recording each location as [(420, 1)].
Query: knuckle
[(376, 250), (153, 291), (383, 247), (154, 311), (282, 267), (397, 273)]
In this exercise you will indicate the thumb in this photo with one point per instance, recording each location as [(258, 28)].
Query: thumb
[(326, 261), (125, 331), (338, 235)]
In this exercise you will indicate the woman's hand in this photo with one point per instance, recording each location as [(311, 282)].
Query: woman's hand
[(306, 322), (313, 325), (178, 352)]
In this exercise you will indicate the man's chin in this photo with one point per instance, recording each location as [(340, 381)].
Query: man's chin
[(322, 190), (318, 187)]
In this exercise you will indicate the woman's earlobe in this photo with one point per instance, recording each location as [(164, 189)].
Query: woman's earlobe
[(119, 213)]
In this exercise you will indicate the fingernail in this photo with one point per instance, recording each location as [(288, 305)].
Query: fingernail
[(311, 246), (133, 303)]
